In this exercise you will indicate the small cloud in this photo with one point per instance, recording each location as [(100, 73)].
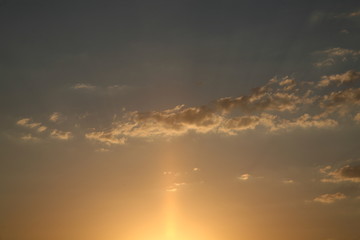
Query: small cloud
[(56, 117), (330, 198), (84, 86), (345, 31), (61, 135), (171, 189), (29, 137), (107, 138), (287, 83), (28, 123), (102, 150), (244, 177), (41, 129), (288, 181), (196, 169), (117, 87), (357, 118), (325, 169), (354, 14)]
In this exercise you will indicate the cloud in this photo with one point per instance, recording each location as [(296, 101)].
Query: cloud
[(84, 86), (349, 15), (281, 104), (330, 198), (288, 181), (244, 177), (105, 90), (57, 134), (345, 174), (347, 77), (354, 14), (55, 117), (28, 123), (29, 137), (340, 101), (102, 150), (107, 138), (332, 55), (176, 181), (357, 118), (263, 99), (230, 115)]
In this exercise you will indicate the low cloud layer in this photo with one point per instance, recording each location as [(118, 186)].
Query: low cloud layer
[(279, 105), (282, 104)]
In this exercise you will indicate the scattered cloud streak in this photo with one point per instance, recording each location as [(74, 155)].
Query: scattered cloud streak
[(106, 90), (55, 117), (347, 77), (57, 134), (83, 86), (282, 104), (330, 198), (331, 56), (278, 105), (345, 174), (28, 123)]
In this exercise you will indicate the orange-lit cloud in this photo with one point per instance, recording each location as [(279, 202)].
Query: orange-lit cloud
[(347, 77), (106, 138), (56, 117), (281, 104), (345, 174), (84, 86), (333, 55), (29, 137), (330, 198), (57, 134), (278, 105), (28, 123)]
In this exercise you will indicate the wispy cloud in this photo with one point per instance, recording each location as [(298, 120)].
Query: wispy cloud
[(176, 181), (282, 104), (107, 90), (84, 86), (28, 123), (345, 174), (354, 14), (244, 177), (357, 118), (29, 137), (288, 181), (55, 117), (264, 107), (107, 138), (346, 77), (331, 56), (57, 134), (340, 101), (330, 198)]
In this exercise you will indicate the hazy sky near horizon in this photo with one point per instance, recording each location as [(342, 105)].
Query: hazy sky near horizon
[(172, 120)]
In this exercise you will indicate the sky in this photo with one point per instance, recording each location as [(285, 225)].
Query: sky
[(173, 120)]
